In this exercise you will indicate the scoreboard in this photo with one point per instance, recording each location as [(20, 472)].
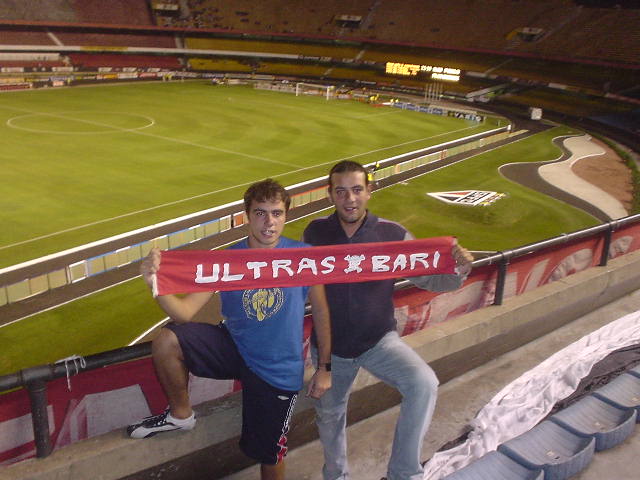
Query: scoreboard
[(434, 72)]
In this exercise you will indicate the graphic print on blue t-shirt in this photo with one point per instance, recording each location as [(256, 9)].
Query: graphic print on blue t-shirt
[(267, 326), (262, 303)]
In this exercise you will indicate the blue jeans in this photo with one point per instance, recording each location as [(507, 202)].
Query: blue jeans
[(396, 364)]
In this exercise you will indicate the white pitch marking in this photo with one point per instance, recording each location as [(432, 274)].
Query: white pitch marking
[(111, 129), (169, 139)]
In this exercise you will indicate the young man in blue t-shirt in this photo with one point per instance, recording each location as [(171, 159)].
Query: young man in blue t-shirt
[(259, 342)]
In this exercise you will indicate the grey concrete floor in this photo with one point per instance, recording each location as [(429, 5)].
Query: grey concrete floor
[(458, 402)]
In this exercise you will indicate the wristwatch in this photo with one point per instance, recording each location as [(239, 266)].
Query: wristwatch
[(326, 366)]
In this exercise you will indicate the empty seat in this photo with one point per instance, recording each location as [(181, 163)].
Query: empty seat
[(592, 417), (550, 447), (635, 371), (495, 466), (622, 392)]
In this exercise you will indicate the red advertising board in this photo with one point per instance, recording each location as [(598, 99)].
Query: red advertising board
[(110, 398)]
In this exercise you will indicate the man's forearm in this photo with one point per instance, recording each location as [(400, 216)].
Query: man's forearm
[(323, 336), (170, 304), (321, 322), (183, 309), (322, 327)]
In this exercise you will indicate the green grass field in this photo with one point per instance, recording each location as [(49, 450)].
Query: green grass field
[(82, 164), (113, 318), (116, 316)]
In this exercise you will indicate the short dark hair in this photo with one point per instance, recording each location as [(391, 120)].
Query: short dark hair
[(264, 191), (348, 166)]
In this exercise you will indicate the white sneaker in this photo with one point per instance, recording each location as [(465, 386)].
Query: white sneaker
[(164, 422)]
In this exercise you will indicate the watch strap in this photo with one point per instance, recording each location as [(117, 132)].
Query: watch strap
[(326, 366)]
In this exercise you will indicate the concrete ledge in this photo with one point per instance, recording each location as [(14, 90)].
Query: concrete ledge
[(452, 348)]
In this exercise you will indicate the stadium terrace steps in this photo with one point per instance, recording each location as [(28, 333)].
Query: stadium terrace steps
[(550, 447), (527, 456), (496, 466), (635, 371), (623, 392), (562, 445), (592, 417)]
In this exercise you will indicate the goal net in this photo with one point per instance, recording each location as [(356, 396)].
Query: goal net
[(326, 91)]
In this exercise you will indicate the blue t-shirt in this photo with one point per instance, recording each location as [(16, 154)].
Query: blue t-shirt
[(267, 326)]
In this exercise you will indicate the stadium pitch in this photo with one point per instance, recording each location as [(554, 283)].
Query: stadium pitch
[(82, 164), (116, 316)]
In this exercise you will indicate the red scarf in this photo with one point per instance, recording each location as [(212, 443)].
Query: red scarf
[(183, 271)]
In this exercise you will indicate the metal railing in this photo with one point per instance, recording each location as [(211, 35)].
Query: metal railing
[(35, 379)]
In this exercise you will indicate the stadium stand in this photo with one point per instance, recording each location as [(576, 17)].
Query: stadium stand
[(20, 37), (88, 61), (124, 12), (566, 29), (219, 65), (572, 45), (38, 10), (292, 69), (272, 47), (563, 25), (278, 16), (610, 34), (441, 23), (27, 64), (571, 105), (115, 40)]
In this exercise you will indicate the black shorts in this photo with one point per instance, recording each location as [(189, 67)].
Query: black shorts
[(209, 351)]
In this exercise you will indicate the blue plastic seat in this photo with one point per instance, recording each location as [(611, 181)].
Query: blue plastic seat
[(495, 466), (592, 417), (635, 371), (622, 392), (550, 447)]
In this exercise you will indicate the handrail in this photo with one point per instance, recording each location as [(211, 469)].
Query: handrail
[(505, 256), (52, 371), (35, 379)]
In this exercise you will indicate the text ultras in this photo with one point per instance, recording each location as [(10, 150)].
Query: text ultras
[(353, 264)]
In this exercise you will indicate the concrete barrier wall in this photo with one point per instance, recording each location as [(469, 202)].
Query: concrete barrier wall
[(453, 347)]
